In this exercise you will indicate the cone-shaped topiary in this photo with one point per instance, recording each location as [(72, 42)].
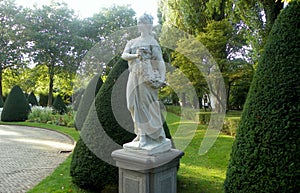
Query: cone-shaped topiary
[(86, 101), (265, 155), (1, 102), (59, 106), (16, 107), (87, 169), (32, 99), (98, 140)]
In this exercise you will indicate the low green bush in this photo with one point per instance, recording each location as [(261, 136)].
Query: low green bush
[(230, 126), (40, 114), (45, 115), (66, 119), (204, 117)]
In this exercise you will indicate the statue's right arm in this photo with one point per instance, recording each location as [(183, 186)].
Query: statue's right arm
[(127, 55)]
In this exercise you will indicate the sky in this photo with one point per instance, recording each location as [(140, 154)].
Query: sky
[(86, 8)]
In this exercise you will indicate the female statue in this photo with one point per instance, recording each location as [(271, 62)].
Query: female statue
[(147, 74)]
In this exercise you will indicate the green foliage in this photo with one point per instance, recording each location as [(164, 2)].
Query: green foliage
[(1, 102), (43, 99), (257, 19), (107, 21), (40, 114), (230, 126), (32, 99), (16, 107), (87, 170), (13, 42), (59, 106), (86, 100), (50, 27), (264, 156), (45, 115)]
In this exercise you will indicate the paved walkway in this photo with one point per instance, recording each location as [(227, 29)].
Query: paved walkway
[(28, 155)]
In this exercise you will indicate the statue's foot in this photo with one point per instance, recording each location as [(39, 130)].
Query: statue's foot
[(143, 141), (136, 139)]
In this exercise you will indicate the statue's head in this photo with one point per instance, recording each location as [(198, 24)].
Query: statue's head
[(145, 23), (145, 19)]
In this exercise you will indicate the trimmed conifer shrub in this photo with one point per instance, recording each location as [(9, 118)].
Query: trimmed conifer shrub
[(87, 169), (59, 106), (1, 102), (43, 99), (16, 107), (86, 101), (32, 99), (265, 155)]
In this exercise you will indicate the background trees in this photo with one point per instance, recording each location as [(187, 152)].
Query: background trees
[(213, 25), (52, 38), (12, 38), (50, 43)]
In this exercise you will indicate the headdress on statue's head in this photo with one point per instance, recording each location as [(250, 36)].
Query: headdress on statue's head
[(146, 19)]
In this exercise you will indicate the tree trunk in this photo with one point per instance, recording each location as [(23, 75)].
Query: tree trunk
[(228, 96), (1, 91), (51, 75)]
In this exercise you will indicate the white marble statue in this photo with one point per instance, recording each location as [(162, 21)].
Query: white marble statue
[(147, 73)]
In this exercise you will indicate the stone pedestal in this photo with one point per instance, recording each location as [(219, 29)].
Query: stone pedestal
[(140, 173)]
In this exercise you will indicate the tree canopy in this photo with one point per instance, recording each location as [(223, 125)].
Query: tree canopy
[(51, 36)]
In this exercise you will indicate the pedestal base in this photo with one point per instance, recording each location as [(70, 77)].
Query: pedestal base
[(140, 173), (149, 149)]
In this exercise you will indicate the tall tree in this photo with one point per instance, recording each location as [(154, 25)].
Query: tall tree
[(52, 37), (257, 19), (102, 26), (12, 41), (208, 21)]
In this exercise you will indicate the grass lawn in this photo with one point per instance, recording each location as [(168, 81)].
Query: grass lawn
[(197, 174), (202, 174)]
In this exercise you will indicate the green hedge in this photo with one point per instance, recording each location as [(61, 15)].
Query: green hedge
[(32, 99), (189, 113), (265, 155), (16, 107), (88, 170), (86, 100), (1, 102), (59, 106)]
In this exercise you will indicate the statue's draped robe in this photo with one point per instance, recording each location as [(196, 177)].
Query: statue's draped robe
[(142, 97)]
